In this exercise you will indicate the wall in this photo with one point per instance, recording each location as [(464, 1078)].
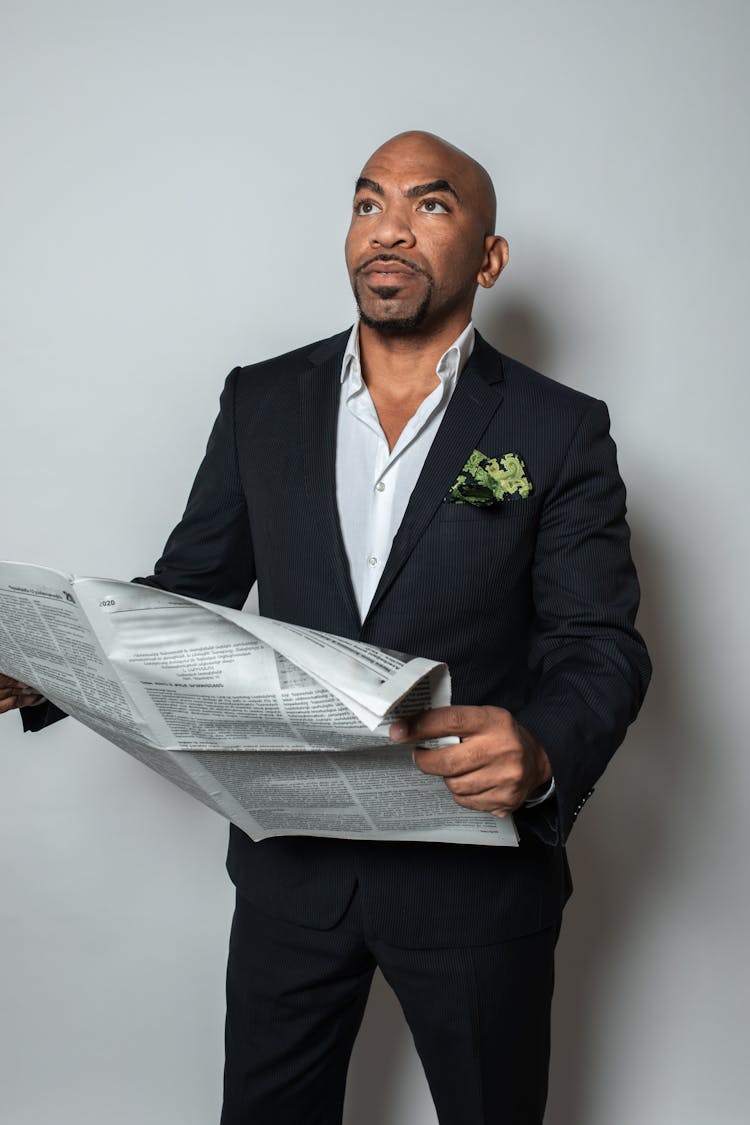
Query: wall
[(175, 195)]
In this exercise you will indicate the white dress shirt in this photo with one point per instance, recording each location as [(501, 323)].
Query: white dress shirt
[(373, 483)]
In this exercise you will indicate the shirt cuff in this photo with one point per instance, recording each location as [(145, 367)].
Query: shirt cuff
[(542, 796)]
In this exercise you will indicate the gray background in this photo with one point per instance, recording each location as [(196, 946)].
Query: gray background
[(176, 189)]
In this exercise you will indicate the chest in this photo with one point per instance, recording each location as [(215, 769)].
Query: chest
[(393, 416)]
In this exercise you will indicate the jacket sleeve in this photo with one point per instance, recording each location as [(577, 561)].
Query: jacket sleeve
[(589, 665)]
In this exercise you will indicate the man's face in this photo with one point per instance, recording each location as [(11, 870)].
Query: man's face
[(417, 236)]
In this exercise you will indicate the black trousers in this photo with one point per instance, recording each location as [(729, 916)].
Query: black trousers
[(479, 1015)]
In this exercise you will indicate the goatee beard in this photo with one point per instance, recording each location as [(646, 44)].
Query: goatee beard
[(395, 325)]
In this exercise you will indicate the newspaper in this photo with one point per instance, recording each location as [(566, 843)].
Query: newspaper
[(281, 729)]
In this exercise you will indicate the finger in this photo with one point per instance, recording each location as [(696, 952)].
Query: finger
[(12, 698), (506, 783), (29, 698), (439, 722), (19, 690), (9, 686), (474, 783), (487, 793), (452, 761), (487, 803), (506, 790)]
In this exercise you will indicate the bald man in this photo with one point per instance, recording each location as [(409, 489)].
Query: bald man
[(335, 475)]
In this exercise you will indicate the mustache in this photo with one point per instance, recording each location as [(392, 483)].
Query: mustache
[(391, 258)]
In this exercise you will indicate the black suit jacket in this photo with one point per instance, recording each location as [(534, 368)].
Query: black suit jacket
[(532, 606)]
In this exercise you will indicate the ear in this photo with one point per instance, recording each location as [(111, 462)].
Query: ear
[(494, 261)]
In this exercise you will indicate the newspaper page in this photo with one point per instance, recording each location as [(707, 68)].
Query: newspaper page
[(281, 729)]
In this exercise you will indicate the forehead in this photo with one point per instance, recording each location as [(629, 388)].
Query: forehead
[(403, 165)]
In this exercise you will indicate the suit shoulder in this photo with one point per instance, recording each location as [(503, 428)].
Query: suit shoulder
[(272, 383), (527, 384), (288, 364)]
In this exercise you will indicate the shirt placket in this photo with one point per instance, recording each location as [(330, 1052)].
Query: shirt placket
[(381, 503)]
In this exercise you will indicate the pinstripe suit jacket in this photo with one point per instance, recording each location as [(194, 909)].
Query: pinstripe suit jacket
[(531, 605)]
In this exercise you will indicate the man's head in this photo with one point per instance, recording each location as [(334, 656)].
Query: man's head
[(422, 235)]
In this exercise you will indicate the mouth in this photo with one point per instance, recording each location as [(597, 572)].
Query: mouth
[(387, 271)]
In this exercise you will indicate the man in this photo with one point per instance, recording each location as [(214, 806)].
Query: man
[(334, 476)]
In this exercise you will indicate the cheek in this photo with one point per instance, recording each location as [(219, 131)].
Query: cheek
[(450, 268), (459, 267), (352, 250)]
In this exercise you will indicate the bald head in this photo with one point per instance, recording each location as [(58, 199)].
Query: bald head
[(465, 174), (421, 238)]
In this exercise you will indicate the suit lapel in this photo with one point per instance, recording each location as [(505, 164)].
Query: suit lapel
[(320, 388), (475, 400)]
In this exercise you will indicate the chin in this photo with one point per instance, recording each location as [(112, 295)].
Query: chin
[(392, 317), (392, 324)]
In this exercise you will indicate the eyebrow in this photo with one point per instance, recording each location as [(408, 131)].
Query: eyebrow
[(363, 183), (428, 189), (371, 185)]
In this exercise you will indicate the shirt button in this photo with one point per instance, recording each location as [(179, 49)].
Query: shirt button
[(372, 561), (380, 486)]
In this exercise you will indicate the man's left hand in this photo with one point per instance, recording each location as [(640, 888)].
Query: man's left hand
[(495, 767)]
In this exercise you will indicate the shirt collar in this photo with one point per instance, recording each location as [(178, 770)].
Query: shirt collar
[(449, 366)]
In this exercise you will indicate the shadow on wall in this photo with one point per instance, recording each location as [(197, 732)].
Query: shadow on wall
[(621, 853), (518, 329)]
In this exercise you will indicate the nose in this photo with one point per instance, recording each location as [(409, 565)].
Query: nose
[(392, 228)]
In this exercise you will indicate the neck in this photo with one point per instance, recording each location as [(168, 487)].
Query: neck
[(404, 366)]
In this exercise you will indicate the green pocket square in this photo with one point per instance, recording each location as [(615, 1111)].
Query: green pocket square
[(485, 481)]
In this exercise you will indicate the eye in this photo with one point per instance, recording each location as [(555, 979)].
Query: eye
[(433, 207), (366, 207)]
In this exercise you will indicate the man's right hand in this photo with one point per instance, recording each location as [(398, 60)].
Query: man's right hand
[(14, 694)]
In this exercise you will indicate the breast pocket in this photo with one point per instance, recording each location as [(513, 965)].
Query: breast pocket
[(492, 518), (479, 559)]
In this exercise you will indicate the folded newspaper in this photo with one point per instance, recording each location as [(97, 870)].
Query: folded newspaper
[(281, 729)]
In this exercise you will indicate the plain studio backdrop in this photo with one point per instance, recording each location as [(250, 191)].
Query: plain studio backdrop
[(176, 189)]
